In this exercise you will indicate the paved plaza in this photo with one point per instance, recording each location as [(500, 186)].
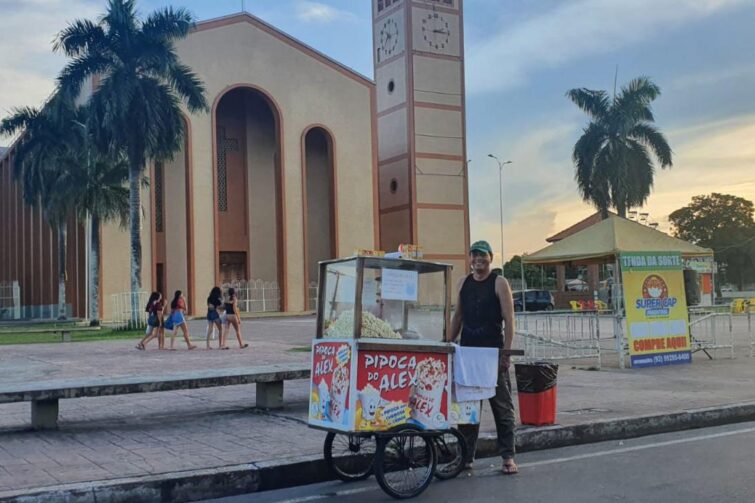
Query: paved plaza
[(146, 434)]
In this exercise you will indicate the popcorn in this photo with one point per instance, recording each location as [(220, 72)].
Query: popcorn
[(372, 327)]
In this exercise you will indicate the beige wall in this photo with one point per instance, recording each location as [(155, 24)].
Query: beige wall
[(394, 229), (437, 80), (438, 131), (308, 92), (174, 208), (440, 181), (396, 72), (392, 137), (399, 171), (261, 151), (116, 258), (436, 225)]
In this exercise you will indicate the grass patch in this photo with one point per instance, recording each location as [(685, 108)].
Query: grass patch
[(300, 349), (104, 334), (20, 327)]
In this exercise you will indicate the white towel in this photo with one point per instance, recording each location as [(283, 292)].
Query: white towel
[(475, 373)]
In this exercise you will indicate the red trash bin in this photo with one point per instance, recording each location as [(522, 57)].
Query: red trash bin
[(537, 392)]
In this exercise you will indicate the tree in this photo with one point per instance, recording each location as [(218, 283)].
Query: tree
[(534, 276), (136, 107), (38, 167), (60, 169), (97, 192), (725, 223), (613, 161)]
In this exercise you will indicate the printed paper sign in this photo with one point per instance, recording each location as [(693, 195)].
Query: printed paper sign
[(656, 308), (329, 385), (399, 285), (396, 387)]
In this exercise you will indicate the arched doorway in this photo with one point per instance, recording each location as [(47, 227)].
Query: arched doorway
[(319, 202), (248, 199)]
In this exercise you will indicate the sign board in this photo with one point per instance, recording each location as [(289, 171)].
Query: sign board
[(396, 387), (330, 383), (701, 265), (656, 308), (399, 285)]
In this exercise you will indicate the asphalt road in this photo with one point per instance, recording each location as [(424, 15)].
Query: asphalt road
[(714, 464)]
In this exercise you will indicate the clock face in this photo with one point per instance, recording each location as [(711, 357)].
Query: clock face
[(436, 31), (388, 39)]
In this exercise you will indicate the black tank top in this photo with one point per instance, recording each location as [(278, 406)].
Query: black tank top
[(481, 313)]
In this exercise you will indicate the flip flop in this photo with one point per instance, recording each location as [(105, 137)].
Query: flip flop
[(245, 346), (140, 346), (225, 347), (509, 467)]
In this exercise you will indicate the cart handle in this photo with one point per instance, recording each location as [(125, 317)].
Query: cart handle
[(512, 352)]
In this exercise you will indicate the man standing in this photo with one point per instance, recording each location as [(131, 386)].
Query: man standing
[(485, 317)]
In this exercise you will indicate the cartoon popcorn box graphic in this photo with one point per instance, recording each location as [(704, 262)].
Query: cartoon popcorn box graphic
[(427, 394), (339, 388), (324, 398), (371, 401)]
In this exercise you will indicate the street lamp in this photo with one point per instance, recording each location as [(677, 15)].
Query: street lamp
[(500, 200)]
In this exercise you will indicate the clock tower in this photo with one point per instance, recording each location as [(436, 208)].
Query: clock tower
[(419, 75)]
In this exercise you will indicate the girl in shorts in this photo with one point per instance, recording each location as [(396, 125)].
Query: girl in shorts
[(177, 319), (213, 315), (232, 319), (153, 322)]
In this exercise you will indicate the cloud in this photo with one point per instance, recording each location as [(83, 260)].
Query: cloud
[(574, 30), (321, 13), (715, 156), (540, 195), (27, 65)]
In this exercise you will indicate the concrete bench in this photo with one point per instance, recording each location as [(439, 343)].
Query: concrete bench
[(65, 332), (44, 396)]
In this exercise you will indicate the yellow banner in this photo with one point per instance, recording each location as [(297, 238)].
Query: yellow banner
[(657, 319)]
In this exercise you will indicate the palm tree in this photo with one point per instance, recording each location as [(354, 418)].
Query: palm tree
[(98, 192), (37, 165), (136, 107), (59, 169), (612, 157)]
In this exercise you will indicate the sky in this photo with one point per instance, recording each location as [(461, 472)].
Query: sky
[(521, 58)]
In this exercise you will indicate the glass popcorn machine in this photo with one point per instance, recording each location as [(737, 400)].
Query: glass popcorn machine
[(381, 375)]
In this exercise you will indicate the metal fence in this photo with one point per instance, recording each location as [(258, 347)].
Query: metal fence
[(10, 300), (559, 336), (710, 331), (256, 296), (128, 309), (312, 296)]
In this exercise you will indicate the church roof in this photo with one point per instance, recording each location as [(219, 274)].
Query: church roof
[(245, 17)]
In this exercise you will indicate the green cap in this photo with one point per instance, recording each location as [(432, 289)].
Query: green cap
[(482, 246)]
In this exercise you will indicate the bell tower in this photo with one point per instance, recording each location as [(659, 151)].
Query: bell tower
[(419, 73)]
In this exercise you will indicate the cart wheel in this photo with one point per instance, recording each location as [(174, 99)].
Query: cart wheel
[(350, 456), (451, 448), (405, 462)]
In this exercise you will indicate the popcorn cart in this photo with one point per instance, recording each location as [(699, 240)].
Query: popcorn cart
[(381, 377)]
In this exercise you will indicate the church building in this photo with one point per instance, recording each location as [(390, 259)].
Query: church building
[(299, 159)]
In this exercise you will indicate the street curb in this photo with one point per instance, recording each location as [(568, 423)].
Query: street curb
[(288, 472)]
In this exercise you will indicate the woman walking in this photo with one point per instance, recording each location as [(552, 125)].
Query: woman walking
[(232, 318), (153, 323), (213, 316), (177, 319)]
